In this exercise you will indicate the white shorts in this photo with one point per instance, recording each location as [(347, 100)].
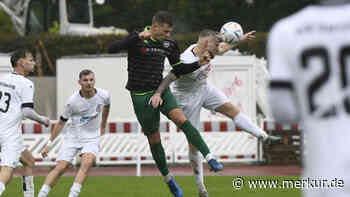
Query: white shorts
[(70, 148), (207, 96), (11, 150)]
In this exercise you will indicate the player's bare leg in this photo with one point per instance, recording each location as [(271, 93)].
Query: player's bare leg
[(197, 167), (5, 177), (87, 160), (52, 177), (193, 137), (241, 120), (27, 160)]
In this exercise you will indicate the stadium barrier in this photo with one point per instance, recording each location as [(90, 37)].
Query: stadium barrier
[(123, 143)]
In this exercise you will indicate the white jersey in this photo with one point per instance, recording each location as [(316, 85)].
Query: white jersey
[(195, 79), (15, 91), (86, 114), (309, 53)]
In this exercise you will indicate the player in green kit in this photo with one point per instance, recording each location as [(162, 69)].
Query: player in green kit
[(147, 51)]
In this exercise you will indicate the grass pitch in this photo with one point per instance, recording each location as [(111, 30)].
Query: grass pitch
[(154, 186)]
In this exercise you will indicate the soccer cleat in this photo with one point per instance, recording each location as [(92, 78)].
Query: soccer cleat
[(215, 166), (174, 188), (203, 193)]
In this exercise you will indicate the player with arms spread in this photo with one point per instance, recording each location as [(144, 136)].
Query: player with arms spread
[(309, 61), (147, 51), (16, 101), (193, 91), (88, 109)]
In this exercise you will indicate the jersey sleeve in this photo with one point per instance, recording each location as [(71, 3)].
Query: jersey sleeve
[(27, 94), (188, 58), (67, 111), (174, 55), (107, 100), (179, 67), (124, 43)]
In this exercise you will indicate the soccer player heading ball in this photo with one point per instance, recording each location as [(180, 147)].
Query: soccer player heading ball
[(193, 91), (147, 51)]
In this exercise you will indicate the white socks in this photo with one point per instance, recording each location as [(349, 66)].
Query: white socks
[(28, 186), (246, 124), (209, 157), (44, 191), (197, 166), (2, 188), (168, 177), (75, 190)]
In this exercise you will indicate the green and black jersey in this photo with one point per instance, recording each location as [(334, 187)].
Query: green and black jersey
[(146, 60)]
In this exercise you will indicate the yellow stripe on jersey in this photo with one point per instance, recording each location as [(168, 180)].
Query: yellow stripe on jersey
[(180, 62)]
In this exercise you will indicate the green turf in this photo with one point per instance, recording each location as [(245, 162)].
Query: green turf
[(130, 186)]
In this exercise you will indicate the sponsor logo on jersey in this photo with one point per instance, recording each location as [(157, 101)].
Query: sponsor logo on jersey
[(166, 44), (153, 51), (86, 119)]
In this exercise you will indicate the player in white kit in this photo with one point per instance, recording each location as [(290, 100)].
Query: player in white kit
[(193, 91), (309, 60), (16, 102), (88, 110)]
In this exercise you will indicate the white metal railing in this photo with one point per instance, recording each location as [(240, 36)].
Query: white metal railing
[(125, 148), (125, 144)]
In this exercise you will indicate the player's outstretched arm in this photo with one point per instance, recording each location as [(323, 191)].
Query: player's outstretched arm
[(105, 114), (128, 41), (224, 46), (56, 131), (30, 113), (176, 72), (183, 69), (248, 36)]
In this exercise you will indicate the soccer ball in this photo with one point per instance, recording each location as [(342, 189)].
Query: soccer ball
[(232, 32)]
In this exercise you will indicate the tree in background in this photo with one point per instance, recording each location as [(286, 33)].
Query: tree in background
[(193, 16), (6, 24)]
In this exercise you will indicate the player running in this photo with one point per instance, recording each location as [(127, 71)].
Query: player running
[(88, 109)]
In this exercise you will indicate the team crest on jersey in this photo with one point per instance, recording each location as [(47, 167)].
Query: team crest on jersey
[(166, 44)]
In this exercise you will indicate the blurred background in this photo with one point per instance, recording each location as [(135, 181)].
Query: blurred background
[(55, 28), (68, 35)]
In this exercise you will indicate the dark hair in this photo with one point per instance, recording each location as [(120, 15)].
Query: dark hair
[(163, 17), (85, 72), (18, 54)]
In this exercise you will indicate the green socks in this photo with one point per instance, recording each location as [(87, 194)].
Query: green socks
[(160, 158), (193, 136)]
